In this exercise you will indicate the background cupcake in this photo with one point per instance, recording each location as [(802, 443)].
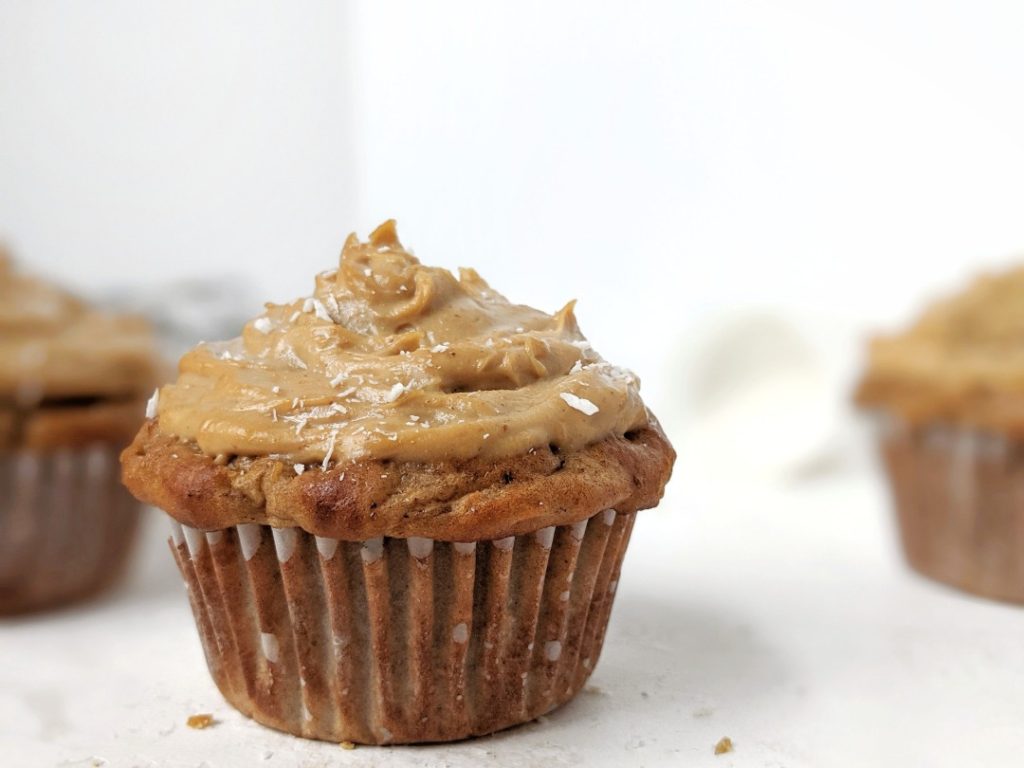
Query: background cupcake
[(949, 392), (72, 389), (401, 504)]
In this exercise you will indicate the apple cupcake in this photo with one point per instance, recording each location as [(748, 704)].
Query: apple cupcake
[(949, 396), (400, 505), (73, 382)]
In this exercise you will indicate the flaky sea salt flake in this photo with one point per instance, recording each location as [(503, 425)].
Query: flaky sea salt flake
[(317, 308), (330, 451), (396, 391), (153, 404), (581, 404)]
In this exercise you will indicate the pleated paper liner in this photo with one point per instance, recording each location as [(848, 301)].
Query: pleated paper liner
[(392, 641), (66, 526), (959, 497)]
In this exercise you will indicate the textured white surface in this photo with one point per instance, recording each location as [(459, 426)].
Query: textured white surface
[(780, 617)]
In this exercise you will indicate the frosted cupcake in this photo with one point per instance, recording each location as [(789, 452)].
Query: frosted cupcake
[(949, 392), (73, 383), (400, 505)]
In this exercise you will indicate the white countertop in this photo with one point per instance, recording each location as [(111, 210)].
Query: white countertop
[(780, 616)]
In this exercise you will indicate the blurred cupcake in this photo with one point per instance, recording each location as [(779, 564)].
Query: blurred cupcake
[(949, 393), (400, 505), (72, 386)]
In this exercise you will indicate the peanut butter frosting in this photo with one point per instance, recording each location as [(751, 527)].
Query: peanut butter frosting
[(961, 362), (54, 347), (393, 360)]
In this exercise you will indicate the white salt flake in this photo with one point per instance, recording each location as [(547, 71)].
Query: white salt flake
[(576, 367), (330, 450), (581, 404), (317, 308), (300, 468), (396, 392), (276, 390), (153, 404), (262, 324), (439, 348), (337, 379)]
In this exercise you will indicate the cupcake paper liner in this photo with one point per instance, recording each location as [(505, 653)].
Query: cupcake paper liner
[(66, 526), (401, 640), (959, 497)]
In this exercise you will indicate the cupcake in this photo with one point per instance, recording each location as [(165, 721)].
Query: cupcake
[(949, 396), (400, 505), (72, 386)]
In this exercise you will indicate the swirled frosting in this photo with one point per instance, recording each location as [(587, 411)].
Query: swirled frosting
[(393, 359), (53, 346)]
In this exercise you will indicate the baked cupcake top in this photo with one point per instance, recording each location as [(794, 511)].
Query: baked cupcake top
[(58, 354), (961, 362), (389, 363)]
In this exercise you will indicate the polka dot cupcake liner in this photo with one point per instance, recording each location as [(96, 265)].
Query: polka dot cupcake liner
[(391, 641), (66, 526), (958, 495)]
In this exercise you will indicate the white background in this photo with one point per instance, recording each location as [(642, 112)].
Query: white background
[(736, 192), (675, 161)]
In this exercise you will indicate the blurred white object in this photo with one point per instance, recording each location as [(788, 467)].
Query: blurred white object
[(764, 398), (185, 312)]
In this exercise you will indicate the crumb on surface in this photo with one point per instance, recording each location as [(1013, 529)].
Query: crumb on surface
[(201, 721), (347, 745), (723, 746)]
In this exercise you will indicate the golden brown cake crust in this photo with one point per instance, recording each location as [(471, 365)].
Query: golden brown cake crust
[(451, 501)]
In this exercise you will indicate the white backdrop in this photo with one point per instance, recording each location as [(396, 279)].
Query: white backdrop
[(669, 164)]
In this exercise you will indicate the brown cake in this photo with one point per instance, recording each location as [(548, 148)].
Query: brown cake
[(73, 383), (401, 504), (949, 396)]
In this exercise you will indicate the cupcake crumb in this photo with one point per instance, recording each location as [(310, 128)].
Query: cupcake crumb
[(347, 745), (201, 721), (723, 746)]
